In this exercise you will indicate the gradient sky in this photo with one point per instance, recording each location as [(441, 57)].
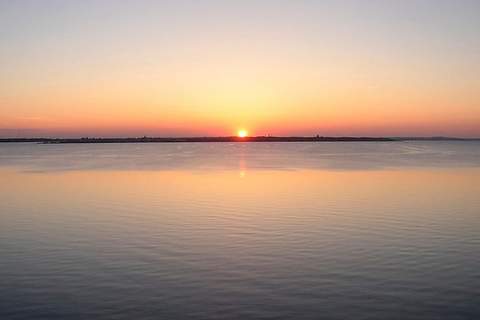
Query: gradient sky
[(173, 68)]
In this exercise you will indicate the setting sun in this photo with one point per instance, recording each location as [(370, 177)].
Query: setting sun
[(242, 133)]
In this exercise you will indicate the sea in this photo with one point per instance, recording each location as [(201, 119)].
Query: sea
[(307, 230)]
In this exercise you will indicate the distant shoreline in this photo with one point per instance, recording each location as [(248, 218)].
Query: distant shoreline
[(230, 139)]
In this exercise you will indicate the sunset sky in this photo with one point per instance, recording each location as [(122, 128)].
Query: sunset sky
[(198, 68)]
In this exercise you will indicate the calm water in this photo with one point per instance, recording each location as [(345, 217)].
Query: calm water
[(240, 231)]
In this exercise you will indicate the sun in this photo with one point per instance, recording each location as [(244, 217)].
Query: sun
[(242, 133)]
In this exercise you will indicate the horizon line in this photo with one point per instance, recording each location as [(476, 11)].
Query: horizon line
[(233, 138)]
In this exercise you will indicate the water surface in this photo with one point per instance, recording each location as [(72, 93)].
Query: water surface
[(380, 230)]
